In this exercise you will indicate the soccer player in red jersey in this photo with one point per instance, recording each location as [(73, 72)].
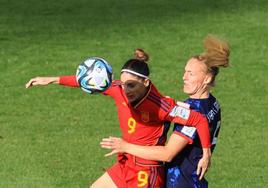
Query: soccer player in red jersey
[(183, 150), (142, 113)]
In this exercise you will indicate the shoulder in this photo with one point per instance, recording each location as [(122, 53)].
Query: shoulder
[(115, 87), (155, 96), (154, 92)]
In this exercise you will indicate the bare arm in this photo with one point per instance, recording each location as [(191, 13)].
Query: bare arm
[(158, 153), (69, 81), (42, 81), (204, 163)]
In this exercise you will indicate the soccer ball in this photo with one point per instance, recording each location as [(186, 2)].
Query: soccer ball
[(94, 75)]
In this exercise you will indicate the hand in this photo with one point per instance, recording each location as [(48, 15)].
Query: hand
[(203, 166), (117, 145), (42, 81)]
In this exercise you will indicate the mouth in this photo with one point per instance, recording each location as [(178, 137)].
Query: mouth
[(129, 96), (185, 85)]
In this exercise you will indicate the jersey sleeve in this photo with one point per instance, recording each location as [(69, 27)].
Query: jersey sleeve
[(72, 82), (189, 133), (183, 115), (68, 81), (113, 89)]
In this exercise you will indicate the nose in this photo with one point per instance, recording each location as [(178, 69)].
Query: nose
[(123, 87), (184, 76)]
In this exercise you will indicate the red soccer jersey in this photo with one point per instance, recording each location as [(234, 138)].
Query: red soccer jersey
[(143, 124)]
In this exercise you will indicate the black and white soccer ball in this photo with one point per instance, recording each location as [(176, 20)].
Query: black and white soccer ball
[(94, 75)]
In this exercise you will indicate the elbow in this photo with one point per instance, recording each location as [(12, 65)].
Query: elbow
[(167, 157)]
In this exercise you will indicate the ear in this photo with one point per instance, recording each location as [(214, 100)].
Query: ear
[(146, 82), (208, 79)]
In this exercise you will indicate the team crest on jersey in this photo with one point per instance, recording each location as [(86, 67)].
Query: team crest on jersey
[(145, 116)]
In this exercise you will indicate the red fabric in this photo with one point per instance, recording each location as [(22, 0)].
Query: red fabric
[(148, 116), (190, 141), (184, 116), (142, 124), (126, 174), (68, 81), (202, 127)]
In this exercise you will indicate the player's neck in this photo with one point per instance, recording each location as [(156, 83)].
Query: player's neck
[(142, 96), (203, 95)]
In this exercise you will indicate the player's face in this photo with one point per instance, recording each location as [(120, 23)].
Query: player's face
[(196, 79), (134, 87)]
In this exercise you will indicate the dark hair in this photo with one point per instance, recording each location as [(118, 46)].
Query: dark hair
[(138, 64)]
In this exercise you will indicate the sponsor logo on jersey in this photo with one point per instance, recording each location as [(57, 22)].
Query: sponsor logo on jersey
[(179, 111)]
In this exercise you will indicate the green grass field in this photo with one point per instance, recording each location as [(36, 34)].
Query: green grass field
[(49, 136)]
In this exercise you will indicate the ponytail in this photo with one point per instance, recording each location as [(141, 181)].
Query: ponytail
[(138, 65)]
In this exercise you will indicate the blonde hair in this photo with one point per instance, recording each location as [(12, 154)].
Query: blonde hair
[(216, 55)]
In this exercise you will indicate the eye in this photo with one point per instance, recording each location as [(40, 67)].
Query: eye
[(130, 85)]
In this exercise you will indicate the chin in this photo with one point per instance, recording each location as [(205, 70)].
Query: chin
[(131, 100), (187, 91)]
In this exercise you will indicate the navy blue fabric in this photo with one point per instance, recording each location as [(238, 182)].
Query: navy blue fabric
[(181, 172)]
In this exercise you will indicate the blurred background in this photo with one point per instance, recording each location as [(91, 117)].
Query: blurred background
[(49, 136)]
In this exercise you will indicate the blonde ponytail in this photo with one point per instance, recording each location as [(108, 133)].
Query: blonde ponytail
[(216, 52)]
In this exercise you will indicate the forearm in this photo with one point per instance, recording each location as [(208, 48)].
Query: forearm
[(42, 81), (156, 153), (55, 80), (166, 153), (206, 152)]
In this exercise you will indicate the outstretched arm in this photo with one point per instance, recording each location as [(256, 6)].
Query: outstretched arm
[(158, 153), (63, 80), (42, 81)]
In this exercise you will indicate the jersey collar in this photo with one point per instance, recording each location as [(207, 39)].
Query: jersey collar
[(145, 96)]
